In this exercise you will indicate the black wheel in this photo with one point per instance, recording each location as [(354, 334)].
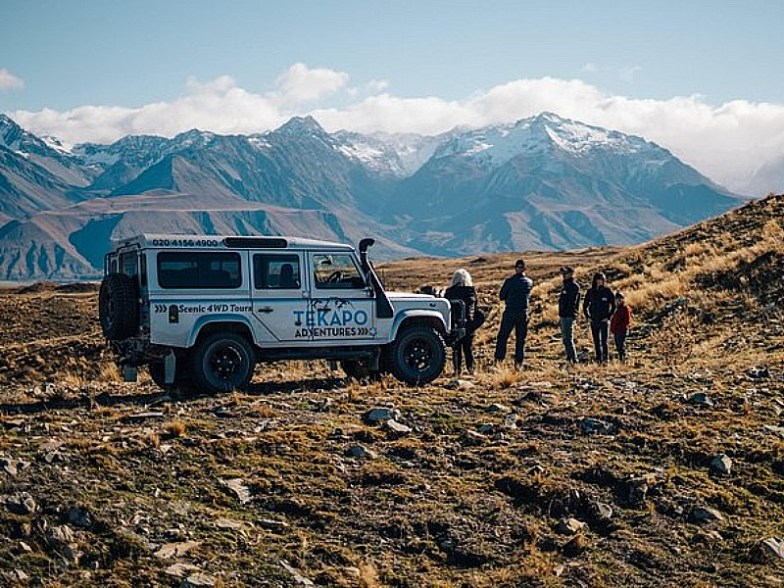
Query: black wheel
[(222, 362), (418, 355), (118, 306), (358, 370)]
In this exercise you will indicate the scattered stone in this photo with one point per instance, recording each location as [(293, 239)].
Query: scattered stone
[(296, 575), (80, 517), (230, 524), (602, 511), (20, 575), (21, 503), (180, 570), (397, 428), (459, 384), (470, 437), (775, 429), (273, 525), (198, 580), (497, 407), (223, 412), (172, 550), (769, 549), (361, 452), (705, 514), (721, 464), (700, 399), (143, 416), (759, 372), (9, 466), (62, 541), (486, 428), (510, 421), (591, 426), (570, 526), (381, 415), (239, 488)]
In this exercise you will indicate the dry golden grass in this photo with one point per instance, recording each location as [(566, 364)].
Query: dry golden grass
[(175, 428)]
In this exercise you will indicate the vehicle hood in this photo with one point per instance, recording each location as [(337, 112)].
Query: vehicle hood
[(409, 296)]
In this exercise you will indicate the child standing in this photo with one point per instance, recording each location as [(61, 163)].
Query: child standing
[(620, 323)]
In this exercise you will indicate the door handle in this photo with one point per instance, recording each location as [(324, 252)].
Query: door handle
[(265, 309)]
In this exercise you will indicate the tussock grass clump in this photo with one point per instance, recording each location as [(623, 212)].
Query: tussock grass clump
[(175, 428)]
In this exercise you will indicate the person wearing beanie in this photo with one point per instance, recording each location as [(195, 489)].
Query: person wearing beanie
[(598, 307), (620, 323), (568, 312), (516, 293)]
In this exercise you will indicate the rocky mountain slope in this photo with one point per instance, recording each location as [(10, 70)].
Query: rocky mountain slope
[(667, 470), (543, 183)]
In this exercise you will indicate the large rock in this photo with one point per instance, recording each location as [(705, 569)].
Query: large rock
[(21, 503), (361, 452), (570, 526), (721, 464), (592, 426), (381, 415), (705, 514), (198, 580)]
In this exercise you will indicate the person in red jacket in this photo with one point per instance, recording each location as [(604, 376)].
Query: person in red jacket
[(620, 323)]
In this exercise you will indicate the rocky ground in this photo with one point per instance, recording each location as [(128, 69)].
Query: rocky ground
[(666, 471)]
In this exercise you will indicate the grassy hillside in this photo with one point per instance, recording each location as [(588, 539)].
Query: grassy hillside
[(287, 484)]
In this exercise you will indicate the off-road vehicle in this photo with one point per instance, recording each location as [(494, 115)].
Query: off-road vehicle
[(201, 311)]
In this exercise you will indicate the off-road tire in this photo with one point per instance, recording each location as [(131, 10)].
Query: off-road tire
[(359, 370), (418, 355), (222, 362), (118, 306)]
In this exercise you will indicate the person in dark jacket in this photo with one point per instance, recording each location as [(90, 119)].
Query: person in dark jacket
[(569, 311), (620, 323), (462, 289), (516, 293), (598, 307)]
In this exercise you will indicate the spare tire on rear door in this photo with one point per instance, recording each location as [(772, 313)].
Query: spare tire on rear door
[(118, 306)]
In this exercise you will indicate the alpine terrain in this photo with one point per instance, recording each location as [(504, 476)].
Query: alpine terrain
[(542, 183)]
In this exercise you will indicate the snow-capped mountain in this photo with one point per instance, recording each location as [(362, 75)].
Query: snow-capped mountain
[(542, 182)]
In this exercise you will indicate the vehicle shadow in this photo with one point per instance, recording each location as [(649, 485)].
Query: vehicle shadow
[(156, 397), (87, 402)]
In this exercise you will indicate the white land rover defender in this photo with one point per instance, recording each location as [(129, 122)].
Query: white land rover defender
[(201, 311)]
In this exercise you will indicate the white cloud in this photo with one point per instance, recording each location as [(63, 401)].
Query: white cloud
[(9, 81), (727, 142), (302, 84), (589, 68), (629, 72)]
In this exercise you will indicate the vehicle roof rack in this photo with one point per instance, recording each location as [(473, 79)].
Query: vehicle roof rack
[(256, 242)]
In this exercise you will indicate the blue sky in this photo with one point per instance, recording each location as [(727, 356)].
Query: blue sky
[(701, 77), (70, 53)]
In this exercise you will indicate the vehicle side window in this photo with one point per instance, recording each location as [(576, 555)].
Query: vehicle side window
[(332, 272), (196, 270), (276, 272), (129, 264)]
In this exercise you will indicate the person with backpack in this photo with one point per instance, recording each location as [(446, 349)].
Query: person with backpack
[(620, 323), (462, 289), (516, 293), (568, 312), (598, 307)]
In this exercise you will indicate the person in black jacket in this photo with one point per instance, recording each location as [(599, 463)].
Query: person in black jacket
[(516, 292), (569, 311), (462, 289), (598, 307)]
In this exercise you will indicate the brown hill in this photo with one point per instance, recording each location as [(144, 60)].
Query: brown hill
[(123, 482)]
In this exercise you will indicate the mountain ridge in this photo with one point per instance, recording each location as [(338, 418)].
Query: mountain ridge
[(544, 182)]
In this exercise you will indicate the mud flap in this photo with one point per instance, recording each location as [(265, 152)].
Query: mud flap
[(169, 367)]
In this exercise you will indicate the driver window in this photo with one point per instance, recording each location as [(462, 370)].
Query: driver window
[(336, 272)]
